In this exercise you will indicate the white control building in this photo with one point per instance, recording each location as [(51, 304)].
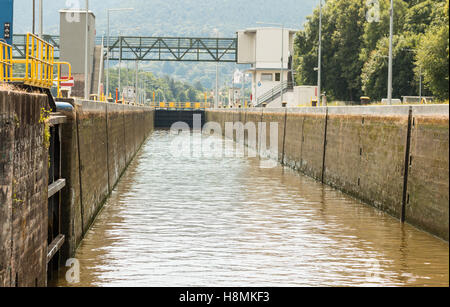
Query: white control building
[(262, 48)]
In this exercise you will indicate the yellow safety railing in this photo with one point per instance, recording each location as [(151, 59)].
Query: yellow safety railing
[(59, 79), (39, 61), (5, 62), (181, 105)]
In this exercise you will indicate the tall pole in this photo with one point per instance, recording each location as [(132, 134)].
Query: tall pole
[(120, 62), (391, 35), (136, 82), (282, 63), (86, 55), (108, 41), (319, 65), (420, 83), (243, 90), (107, 53), (100, 74), (34, 17), (216, 100), (41, 18)]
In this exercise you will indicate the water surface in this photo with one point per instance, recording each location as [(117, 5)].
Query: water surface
[(227, 222)]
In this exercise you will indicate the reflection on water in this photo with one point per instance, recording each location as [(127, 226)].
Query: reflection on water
[(227, 222)]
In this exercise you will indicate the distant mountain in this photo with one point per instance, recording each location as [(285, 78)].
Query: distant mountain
[(175, 18)]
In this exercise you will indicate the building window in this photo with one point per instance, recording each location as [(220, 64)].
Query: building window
[(277, 77), (267, 77)]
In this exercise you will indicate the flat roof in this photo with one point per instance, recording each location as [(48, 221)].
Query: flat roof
[(254, 30), (266, 69), (75, 11)]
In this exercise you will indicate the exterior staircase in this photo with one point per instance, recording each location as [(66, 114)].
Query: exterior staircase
[(274, 93)]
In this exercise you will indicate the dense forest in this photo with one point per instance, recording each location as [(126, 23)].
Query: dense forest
[(355, 50)]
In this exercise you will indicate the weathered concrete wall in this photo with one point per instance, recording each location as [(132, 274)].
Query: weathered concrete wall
[(363, 151), (99, 141), (23, 190), (365, 154), (305, 131), (428, 179)]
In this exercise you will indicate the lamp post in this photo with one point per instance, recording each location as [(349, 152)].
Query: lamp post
[(391, 35), (216, 100), (41, 18), (86, 55), (319, 64), (108, 42), (34, 17), (120, 63), (282, 55)]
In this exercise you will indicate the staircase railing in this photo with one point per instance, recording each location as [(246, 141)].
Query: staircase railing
[(274, 92)]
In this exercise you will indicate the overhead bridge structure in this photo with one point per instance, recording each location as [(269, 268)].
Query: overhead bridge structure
[(141, 48)]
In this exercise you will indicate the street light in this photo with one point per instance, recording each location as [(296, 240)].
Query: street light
[(282, 54), (86, 55), (41, 18), (34, 17), (108, 42), (216, 100), (319, 65), (391, 35)]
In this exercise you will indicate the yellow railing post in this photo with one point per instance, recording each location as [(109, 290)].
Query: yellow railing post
[(59, 78), (5, 62), (39, 61)]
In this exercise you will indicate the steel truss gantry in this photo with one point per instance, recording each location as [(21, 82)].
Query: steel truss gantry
[(141, 48)]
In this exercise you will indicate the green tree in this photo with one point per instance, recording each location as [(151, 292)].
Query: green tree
[(433, 55), (375, 70), (343, 29)]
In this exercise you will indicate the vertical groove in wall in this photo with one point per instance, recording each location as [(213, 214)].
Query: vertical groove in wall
[(107, 147), (124, 135), (324, 147), (13, 149), (284, 137), (79, 172), (302, 143), (259, 132), (406, 170)]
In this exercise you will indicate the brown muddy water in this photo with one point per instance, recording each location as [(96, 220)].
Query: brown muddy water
[(192, 222)]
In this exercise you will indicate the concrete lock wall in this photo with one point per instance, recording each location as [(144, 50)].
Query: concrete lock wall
[(99, 141), (23, 190), (393, 158)]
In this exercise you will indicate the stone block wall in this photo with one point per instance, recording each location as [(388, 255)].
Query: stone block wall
[(23, 190), (99, 141), (393, 158)]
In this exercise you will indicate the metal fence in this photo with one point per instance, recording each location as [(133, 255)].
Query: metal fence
[(37, 66), (5, 62)]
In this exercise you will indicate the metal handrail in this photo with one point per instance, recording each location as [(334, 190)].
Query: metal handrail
[(274, 92), (5, 62), (59, 78), (183, 105), (39, 61)]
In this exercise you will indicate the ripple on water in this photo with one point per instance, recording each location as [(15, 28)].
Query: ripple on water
[(226, 222)]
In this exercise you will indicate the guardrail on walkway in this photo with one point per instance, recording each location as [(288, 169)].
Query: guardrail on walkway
[(5, 62), (182, 105), (37, 69)]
